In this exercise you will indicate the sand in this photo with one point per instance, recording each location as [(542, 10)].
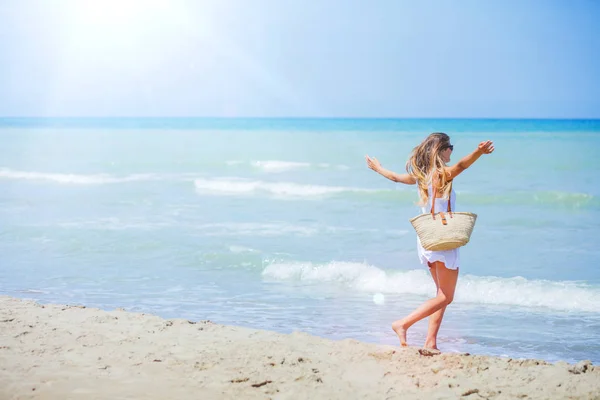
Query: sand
[(73, 352)]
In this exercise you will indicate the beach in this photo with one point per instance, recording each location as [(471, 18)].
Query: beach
[(73, 352), (213, 200)]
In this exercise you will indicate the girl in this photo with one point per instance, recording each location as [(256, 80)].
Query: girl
[(427, 167)]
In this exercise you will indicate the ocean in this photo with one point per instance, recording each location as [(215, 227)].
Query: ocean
[(278, 224)]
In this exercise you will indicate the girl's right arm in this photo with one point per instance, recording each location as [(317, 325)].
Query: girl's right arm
[(486, 147), (375, 165)]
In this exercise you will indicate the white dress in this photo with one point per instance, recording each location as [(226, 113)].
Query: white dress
[(451, 258)]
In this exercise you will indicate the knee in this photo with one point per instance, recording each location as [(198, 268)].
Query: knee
[(446, 298)]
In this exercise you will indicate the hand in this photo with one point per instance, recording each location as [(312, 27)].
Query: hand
[(373, 163), (486, 147)]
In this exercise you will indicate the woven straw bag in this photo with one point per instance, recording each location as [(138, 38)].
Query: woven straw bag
[(438, 231)]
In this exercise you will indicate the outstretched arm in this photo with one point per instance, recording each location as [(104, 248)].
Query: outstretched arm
[(486, 147), (375, 165)]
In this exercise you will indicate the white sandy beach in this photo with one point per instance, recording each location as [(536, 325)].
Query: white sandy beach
[(73, 352)]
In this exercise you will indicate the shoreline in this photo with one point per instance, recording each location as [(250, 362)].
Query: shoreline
[(52, 351)]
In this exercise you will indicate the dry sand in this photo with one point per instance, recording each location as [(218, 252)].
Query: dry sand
[(72, 352)]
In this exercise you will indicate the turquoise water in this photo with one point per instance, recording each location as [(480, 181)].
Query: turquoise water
[(278, 224)]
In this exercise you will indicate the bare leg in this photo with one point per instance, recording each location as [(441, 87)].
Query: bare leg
[(446, 282), (435, 319)]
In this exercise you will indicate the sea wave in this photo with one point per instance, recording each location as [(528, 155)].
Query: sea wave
[(76, 179), (517, 291), (542, 198), (281, 229), (224, 229), (235, 186), (278, 166), (246, 187)]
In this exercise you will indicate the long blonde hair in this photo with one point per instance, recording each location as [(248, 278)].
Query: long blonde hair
[(425, 161)]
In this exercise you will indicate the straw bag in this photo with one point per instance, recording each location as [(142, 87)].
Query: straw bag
[(439, 231)]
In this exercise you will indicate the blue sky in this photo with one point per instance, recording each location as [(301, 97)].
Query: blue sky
[(322, 58)]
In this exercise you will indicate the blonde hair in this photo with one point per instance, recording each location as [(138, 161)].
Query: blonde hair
[(425, 161)]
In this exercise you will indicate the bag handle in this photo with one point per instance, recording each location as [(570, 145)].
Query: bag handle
[(434, 189)]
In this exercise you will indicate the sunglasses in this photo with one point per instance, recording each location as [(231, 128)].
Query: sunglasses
[(451, 147)]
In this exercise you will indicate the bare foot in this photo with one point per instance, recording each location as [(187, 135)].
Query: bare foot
[(430, 345), (400, 329), (429, 352)]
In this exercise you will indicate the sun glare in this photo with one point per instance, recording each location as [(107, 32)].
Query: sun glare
[(131, 44), (118, 24), (114, 13)]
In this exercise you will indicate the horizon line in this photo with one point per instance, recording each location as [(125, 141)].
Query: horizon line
[(306, 118)]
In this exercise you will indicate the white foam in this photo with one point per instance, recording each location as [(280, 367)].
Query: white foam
[(234, 186), (279, 166), (76, 179), (274, 229), (518, 291), (241, 249), (219, 229), (256, 229), (111, 224)]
